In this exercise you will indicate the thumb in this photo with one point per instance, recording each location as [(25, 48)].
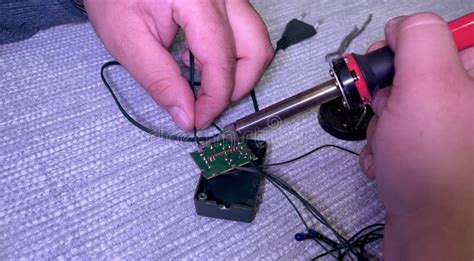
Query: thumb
[(141, 52), (424, 49), (156, 70)]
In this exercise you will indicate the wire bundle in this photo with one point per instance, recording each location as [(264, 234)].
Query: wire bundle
[(338, 247)]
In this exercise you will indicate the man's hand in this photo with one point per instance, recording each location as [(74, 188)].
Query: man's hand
[(421, 143), (227, 37)]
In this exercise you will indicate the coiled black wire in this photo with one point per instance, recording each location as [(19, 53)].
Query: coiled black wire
[(139, 125)]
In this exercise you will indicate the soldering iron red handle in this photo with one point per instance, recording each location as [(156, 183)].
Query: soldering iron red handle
[(375, 70), (463, 31)]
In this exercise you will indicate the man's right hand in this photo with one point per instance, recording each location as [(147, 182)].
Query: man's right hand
[(420, 146), (228, 38)]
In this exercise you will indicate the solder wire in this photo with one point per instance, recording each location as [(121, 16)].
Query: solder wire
[(330, 57)]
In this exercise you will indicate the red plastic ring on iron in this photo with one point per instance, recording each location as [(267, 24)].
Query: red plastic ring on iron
[(360, 82)]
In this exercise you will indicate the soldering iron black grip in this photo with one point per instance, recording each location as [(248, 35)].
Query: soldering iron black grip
[(377, 68)]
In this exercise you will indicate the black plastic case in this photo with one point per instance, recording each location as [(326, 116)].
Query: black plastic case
[(232, 196)]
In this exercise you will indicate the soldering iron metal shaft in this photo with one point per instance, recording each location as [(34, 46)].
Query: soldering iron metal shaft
[(356, 78), (273, 114)]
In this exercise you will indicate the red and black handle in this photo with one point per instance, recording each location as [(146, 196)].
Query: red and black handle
[(361, 76)]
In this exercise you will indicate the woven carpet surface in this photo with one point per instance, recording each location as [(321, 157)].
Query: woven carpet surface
[(78, 181)]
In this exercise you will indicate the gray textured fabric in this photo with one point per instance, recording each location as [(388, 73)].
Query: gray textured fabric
[(78, 181), (20, 19)]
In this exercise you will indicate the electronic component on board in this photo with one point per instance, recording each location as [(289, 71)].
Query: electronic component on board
[(222, 156)]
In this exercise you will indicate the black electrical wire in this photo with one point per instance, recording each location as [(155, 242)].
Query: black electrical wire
[(315, 213), (254, 100), (193, 85), (359, 240), (309, 153), (358, 244), (354, 246), (377, 227), (298, 212), (193, 89), (157, 133), (318, 216), (350, 245), (137, 124)]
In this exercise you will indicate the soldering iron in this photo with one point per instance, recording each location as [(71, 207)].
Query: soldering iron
[(356, 78)]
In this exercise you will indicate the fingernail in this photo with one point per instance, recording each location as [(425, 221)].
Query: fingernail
[(395, 21), (392, 22), (179, 117)]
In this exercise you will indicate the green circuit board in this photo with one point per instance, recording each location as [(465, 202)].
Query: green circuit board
[(221, 157)]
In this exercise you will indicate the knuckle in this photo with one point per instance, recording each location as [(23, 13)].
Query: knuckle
[(119, 47), (228, 63), (160, 87), (219, 98), (261, 53)]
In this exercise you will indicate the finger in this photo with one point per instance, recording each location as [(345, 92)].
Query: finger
[(366, 162), (185, 58), (467, 58), (366, 155), (143, 55), (391, 30), (211, 41), (423, 46), (380, 100), (253, 47), (377, 45), (154, 68)]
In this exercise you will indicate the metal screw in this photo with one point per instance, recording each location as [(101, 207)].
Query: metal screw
[(202, 196)]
